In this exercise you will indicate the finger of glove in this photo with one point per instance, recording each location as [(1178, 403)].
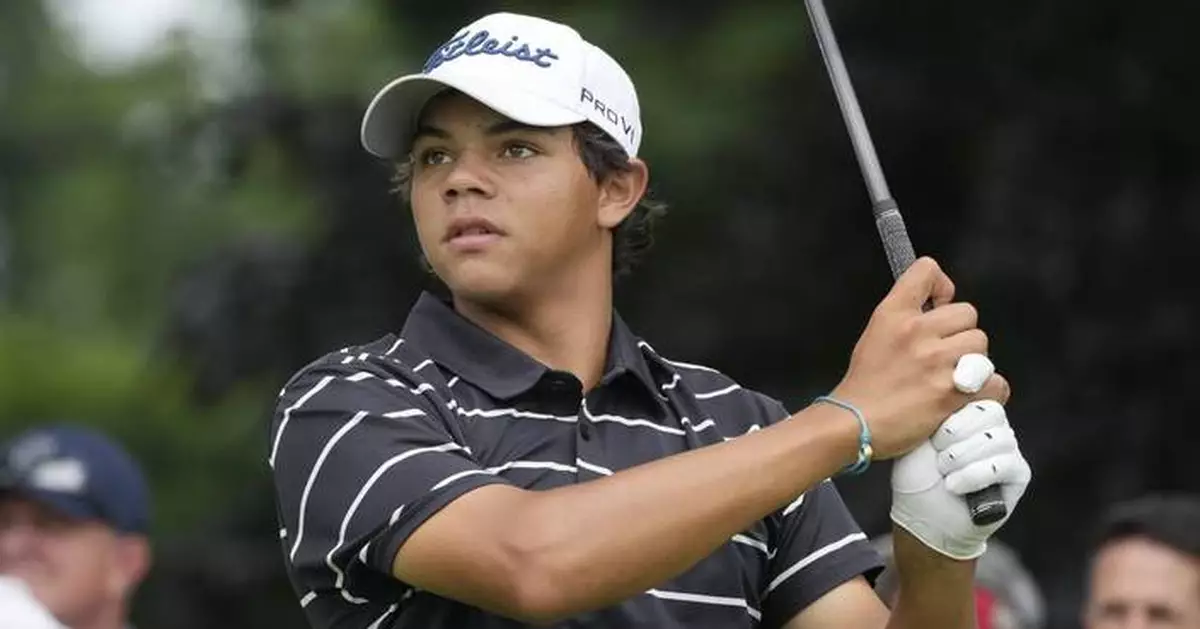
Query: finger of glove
[(977, 447), (967, 421), (972, 371), (1015, 490), (1001, 469)]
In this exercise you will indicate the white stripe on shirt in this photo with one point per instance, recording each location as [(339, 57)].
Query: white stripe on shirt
[(366, 375), (533, 465), (712, 394), (705, 599), (701, 427), (794, 505), (519, 465), (512, 412), (312, 476), (751, 542), (813, 556), (453, 477), (680, 363), (592, 467), (408, 412), (378, 621), (522, 465), (287, 415), (421, 388), (646, 346), (379, 471), (617, 419), (384, 467)]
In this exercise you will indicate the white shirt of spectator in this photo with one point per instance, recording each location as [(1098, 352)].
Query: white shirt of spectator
[(20, 610)]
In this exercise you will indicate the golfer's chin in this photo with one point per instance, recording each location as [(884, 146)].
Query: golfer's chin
[(484, 282)]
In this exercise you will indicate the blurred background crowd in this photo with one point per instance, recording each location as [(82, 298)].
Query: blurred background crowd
[(187, 217)]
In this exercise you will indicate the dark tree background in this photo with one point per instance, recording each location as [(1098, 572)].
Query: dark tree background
[(173, 246)]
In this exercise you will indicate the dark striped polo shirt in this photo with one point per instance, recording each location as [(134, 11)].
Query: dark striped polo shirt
[(368, 442)]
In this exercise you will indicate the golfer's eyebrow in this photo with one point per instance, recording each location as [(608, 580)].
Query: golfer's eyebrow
[(427, 130), (501, 127), (511, 126)]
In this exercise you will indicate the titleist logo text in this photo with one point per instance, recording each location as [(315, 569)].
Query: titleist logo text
[(482, 43)]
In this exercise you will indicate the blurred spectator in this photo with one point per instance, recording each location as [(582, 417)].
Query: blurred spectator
[(1006, 595), (74, 514), (1145, 569)]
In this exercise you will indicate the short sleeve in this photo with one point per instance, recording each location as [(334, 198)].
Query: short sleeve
[(361, 456), (818, 546)]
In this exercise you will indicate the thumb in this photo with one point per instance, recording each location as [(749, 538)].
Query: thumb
[(923, 281)]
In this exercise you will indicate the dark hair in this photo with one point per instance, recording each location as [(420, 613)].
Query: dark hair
[(603, 157), (1172, 520)]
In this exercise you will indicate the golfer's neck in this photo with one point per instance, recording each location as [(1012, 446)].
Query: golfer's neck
[(565, 327)]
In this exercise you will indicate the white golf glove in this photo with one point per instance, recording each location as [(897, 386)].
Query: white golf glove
[(974, 448)]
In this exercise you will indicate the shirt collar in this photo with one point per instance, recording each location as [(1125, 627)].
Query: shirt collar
[(627, 355), (503, 371)]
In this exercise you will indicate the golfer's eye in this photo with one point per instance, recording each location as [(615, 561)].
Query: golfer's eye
[(518, 150), (432, 157)]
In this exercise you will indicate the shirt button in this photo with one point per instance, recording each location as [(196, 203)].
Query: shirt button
[(585, 430)]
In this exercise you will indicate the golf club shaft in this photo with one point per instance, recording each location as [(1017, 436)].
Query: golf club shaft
[(986, 505)]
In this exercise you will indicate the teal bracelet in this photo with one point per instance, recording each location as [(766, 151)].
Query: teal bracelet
[(864, 435)]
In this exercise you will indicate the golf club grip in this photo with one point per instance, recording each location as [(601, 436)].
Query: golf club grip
[(986, 505), (892, 232)]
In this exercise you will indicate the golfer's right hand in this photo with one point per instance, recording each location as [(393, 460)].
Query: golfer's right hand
[(901, 374)]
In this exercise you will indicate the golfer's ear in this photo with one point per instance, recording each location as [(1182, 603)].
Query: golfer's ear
[(621, 192)]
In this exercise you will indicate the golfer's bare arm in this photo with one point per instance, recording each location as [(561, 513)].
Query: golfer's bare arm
[(543, 555)]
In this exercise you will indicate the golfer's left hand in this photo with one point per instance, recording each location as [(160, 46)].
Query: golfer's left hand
[(973, 449)]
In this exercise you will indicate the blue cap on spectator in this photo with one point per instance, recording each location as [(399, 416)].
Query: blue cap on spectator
[(79, 472)]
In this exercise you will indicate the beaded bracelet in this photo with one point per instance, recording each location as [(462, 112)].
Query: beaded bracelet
[(864, 436)]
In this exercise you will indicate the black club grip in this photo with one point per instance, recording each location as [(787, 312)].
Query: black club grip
[(987, 505)]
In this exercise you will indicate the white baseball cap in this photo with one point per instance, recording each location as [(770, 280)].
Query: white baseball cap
[(529, 69)]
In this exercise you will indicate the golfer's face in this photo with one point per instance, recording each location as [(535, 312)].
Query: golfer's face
[(1138, 584), (501, 209)]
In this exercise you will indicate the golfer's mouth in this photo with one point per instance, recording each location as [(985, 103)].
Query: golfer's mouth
[(472, 232)]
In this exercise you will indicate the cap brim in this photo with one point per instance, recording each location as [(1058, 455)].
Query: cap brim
[(391, 118), (71, 506)]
